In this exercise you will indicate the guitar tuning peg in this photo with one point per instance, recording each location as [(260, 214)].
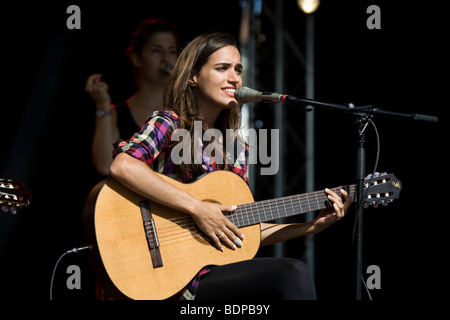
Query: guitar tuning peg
[(368, 176), (375, 205), (377, 174)]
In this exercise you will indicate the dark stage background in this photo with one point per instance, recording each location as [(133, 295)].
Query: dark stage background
[(401, 68)]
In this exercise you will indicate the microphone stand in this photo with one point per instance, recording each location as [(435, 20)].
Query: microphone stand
[(363, 115)]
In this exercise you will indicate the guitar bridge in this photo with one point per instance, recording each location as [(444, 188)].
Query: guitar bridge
[(150, 234)]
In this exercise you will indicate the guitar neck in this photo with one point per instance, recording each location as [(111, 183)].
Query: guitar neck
[(267, 210)]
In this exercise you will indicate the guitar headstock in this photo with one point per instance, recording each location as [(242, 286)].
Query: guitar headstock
[(383, 189), (14, 194)]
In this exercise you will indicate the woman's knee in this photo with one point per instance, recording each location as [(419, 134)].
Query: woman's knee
[(296, 280), (293, 267)]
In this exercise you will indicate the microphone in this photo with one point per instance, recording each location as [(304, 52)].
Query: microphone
[(168, 68), (246, 95)]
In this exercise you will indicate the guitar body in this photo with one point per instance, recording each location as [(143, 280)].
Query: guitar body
[(120, 252), (141, 249)]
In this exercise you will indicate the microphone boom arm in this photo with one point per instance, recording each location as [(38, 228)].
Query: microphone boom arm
[(350, 108)]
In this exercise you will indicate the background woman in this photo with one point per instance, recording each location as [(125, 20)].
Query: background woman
[(152, 52)]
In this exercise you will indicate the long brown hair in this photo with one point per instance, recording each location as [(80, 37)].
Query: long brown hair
[(181, 97)]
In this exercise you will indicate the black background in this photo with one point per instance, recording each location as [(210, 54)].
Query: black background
[(48, 125)]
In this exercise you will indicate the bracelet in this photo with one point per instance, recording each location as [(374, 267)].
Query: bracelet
[(101, 113)]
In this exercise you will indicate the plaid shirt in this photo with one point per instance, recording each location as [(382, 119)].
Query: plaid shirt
[(150, 145)]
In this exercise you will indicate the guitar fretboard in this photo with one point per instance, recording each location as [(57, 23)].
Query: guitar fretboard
[(267, 210)]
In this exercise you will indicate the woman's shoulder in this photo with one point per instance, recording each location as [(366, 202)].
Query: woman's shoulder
[(168, 114), (166, 118)]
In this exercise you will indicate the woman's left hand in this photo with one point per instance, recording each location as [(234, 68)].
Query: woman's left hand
[(332, 214)]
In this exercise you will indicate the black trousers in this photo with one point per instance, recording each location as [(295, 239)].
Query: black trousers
[(259, 278)]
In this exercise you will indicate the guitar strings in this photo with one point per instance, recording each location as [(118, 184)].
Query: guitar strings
[(178, 235), (188, 225), (243, 210), (267, 204), (260, 205), (183, 228)]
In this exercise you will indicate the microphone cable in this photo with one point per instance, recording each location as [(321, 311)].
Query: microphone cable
[(74, 250)]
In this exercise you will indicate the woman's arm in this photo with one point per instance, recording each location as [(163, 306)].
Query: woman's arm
[(106, 130), (138, 177), (274, 233)]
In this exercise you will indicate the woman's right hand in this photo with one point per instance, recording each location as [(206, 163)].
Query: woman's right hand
[(98, 90), (210, 219)]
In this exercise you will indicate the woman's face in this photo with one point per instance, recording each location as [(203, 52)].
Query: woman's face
[(159, 51), (218, 79)]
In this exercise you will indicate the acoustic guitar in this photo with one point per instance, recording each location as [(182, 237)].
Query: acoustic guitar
[(141, 249), (14, 195)]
